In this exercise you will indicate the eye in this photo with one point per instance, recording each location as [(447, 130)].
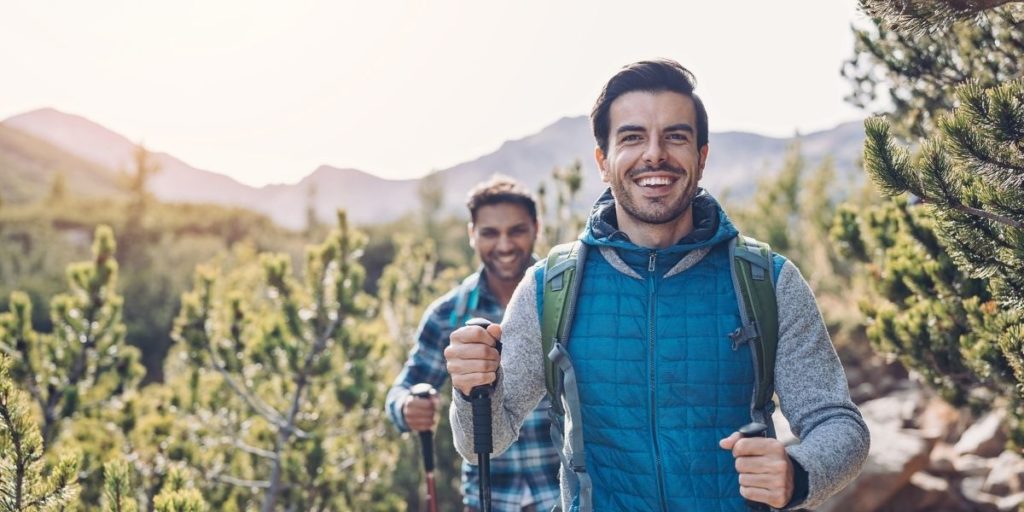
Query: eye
[(678, 137), (630, 138)]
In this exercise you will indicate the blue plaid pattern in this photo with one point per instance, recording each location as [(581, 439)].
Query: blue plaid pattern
[(532, 461)]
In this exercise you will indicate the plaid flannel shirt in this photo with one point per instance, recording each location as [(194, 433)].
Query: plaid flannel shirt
[(531, 462)]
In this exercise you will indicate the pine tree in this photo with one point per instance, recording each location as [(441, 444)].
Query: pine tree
[(58, 189), (928, 15), (82, 375), (947, 264), (24, 484), (287, 390), (914, 75), (562, 222), (84, 364), (407, 286)]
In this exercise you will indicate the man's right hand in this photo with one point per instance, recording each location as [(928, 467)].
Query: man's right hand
[(472, 359), (420, 413)]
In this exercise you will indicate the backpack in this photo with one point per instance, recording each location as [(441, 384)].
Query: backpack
[(753, 279)]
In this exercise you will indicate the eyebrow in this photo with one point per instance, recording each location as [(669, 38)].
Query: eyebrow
[(680, 127), (630, 128)]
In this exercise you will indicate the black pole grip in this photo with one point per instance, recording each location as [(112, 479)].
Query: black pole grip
[(427, 446), (755, 429), (425, 390), (483, 442), (481, 399)]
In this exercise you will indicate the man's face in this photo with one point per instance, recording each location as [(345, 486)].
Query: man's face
[(503, 236), (653, 163)]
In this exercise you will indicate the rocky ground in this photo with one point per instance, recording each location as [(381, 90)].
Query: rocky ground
[(925, 454)]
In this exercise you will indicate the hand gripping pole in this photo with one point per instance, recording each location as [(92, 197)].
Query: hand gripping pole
[(754, 429), (483, 442), (424, 390)]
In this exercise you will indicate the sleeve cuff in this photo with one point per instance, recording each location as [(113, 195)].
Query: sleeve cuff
[(396, 412), (801, 485)]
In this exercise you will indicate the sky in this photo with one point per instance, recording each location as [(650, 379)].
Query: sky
[(266, 91)]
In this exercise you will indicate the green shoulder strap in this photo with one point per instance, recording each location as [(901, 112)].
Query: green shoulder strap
[(754, 277), (562, 266)]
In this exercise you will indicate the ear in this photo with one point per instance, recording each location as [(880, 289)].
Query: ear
[(602, 164), (702, 159), (471, 233)]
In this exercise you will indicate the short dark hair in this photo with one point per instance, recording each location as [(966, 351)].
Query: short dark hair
[(500, 189), (647, 76)]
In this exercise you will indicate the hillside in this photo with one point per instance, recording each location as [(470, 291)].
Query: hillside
[(737, 160), (28, 167)]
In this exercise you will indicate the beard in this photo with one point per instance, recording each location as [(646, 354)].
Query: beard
[(659, 210), (503, 272)]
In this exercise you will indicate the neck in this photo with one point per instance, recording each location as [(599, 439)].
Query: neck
[(501, 288), (655, 236)]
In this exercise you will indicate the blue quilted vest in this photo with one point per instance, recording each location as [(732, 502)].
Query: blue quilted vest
[(659, 380)]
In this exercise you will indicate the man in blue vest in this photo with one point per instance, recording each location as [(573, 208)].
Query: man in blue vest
[(654, 385), (502, 231)]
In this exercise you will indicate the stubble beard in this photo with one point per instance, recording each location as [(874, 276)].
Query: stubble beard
[(653, 214), (494, 268)]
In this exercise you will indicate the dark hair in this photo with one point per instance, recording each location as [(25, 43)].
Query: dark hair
[(500, 189), (647, 76)]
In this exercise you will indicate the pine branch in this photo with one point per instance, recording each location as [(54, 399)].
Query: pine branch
[(927, 16), (888, 165)]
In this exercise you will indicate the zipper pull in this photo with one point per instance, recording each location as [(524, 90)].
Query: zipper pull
[(650, 265)]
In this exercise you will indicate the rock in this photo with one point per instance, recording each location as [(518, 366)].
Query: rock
[(895, 455), (942, 459), (985, 438), (1007, 475), (972, 465), (1012, 502), (938, 419), (925, 492), (899, 409), (970, 488)]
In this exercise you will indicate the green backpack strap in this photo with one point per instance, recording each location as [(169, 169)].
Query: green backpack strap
[(563, 265), (467, 299), (754, 280)]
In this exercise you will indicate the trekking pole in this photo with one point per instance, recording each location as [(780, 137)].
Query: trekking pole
[(424, 390), (754, 429), (483, 443)]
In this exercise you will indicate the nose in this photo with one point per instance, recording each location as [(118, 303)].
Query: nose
[(654, 153), (504, 243)]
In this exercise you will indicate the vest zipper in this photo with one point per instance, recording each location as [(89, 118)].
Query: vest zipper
[(651, 370)]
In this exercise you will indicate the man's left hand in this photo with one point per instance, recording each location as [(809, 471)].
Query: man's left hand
[(766, 472)]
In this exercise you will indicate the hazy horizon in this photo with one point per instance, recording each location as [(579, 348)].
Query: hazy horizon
[(266, 94)]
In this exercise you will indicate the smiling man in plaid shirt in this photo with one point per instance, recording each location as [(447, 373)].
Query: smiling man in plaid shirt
[(502, 231)]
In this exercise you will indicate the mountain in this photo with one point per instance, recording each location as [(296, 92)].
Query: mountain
[(736, 161), (29, 165)]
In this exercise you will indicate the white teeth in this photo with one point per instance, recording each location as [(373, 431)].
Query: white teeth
[(654, 181)]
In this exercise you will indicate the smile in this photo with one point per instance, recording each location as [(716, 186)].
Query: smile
[(655, 181)]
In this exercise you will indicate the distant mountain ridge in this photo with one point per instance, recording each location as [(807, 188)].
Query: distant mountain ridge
[(736, 161)]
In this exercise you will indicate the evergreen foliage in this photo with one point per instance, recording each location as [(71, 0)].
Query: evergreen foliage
[(285, 387), (925, 16), (914, 76), (25, 485), (84, 364), (408, 285), (946, 265), (561, 222)]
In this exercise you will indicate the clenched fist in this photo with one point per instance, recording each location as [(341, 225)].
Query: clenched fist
[(420, 413), (472, 357), (766, 472)]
